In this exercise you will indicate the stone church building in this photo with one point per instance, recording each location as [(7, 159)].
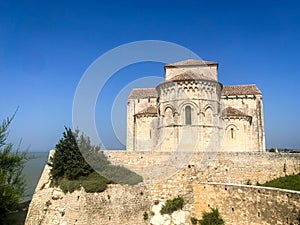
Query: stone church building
[(192, 111)]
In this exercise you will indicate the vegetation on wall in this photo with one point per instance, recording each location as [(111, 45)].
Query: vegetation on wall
[(12, 182), (68, 161), (172, 205), (145, 216), (209, 218), (194, 220), (291, 182), (272, 150), (100, 163), (70, 171), (283, 150)]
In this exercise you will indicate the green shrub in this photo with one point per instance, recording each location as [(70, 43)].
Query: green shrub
[(194, 220), (102, 165), (211, 218), (248, 182), (70, 171), (92, 183), (272, 150), (172, 205), (121, 175), (146, 216), (95, 183)]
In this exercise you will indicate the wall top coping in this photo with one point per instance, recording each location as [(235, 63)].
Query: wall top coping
[(250, 186), (254, 153)]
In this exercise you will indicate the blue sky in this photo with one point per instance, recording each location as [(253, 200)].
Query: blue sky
[(46, 46)]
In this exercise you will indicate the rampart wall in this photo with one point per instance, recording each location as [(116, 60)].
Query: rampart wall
[(223, 167), (118, 204), (123, 204), (243, 204)]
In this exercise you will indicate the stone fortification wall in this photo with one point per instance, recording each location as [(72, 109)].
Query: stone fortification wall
[(224, 167), (118, 204), (243, 204), (238, 204)]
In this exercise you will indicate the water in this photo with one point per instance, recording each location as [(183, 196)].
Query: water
[(32, 172)]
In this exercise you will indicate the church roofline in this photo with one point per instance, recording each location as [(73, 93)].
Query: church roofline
[(231, 112), (149, 111), (189, 78), (143, 93), (190, 63), (233, 90)]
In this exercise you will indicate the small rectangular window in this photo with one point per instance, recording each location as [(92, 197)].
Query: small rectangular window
[(188, 116)]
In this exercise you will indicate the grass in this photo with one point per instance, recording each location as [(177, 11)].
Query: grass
[(91, 183), (291, 182), (105, 173), (121, 175), (118, 174)]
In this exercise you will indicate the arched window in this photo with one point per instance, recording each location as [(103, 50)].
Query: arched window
[(169, 116), (232, 133), (188, 115), (208, 116)]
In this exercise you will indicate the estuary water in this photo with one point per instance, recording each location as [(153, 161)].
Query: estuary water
[(32, 172)]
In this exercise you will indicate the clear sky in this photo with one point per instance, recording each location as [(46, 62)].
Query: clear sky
[(46, 46)]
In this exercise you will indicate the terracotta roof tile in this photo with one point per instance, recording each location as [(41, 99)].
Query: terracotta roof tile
[(191, 62), (151, 111), (143, 93), (189, 76), (230, 111), (248, 89)]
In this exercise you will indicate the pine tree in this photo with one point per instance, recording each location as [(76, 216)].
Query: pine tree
[(12, 182), (68, 161)]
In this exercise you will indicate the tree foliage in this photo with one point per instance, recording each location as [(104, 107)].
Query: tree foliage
[(211, 218), (12, 182), (68, 161), (70, 170), (100, 163)]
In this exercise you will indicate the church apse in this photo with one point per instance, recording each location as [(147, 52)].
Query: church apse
[(192, 111)]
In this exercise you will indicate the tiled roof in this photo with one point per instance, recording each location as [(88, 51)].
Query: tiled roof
[(143, 93), (191, 62), (249, 89), (233, 113), (150, 111), (230, 111), (189, 76)]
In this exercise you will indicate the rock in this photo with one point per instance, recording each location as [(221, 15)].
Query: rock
[(179, 217)]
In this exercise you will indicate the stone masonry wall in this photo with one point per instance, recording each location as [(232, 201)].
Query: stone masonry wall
[(242, 204), (165, 178), (224, 167), (118, 204)]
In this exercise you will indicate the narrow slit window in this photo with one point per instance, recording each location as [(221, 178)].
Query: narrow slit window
[(232, 133), (188, 115)]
